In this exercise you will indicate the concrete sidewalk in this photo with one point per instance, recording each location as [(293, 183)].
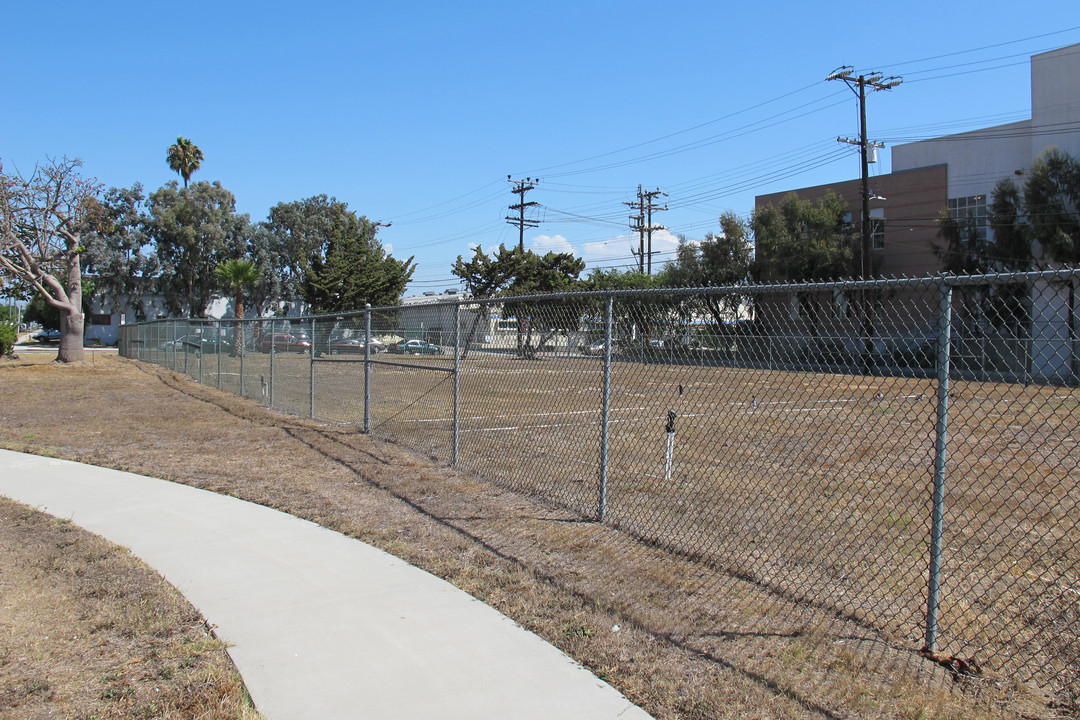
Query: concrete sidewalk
[(321, 626)]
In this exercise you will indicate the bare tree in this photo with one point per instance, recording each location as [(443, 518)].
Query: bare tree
[(42, 221)]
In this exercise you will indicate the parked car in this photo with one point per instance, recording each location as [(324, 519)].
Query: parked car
[(354, 346), (48, 336), (284, 342), (414, 347), (193, 343), (596, 347)]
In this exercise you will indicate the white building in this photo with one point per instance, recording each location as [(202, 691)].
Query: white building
[(977, 160)]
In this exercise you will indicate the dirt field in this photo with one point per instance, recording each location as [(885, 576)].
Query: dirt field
[(763, 652), (814, 486), (88, 631)]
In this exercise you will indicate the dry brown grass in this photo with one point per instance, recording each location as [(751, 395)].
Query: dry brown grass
[(88, 632), (571, 581)]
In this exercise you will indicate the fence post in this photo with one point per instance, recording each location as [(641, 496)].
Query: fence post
[(311, 353), (272, 330), (605, 413), (243, 351), (202, 344), (944, 348), (367, 368), (217, 340), (457, 386)]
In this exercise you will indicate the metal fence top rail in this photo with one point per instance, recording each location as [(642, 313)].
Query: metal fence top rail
[(944, 280)]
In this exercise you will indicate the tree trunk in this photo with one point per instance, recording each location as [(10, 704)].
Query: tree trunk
[(71, 336), (71, 317), (472, 335), (238, 335)]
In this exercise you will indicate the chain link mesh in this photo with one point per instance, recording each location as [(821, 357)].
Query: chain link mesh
[(789, 437)]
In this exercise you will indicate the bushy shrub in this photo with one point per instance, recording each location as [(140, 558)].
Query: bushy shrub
[(9, 333)]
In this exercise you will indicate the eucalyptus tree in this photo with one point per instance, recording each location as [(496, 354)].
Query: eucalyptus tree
[(193, 229), (119, 254)]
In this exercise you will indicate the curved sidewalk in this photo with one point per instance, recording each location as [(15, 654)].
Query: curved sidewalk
[(320, 626)]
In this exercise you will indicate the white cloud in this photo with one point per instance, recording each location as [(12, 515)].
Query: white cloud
[(620, 250), (543, 244), (388, 248)]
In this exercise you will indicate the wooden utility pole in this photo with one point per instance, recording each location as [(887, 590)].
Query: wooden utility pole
[(649, 227), (859, 85), (520, 188), (637, 222)]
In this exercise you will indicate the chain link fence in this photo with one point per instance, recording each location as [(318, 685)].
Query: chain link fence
[(897, 454)]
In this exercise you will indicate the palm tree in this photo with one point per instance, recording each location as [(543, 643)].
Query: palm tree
[(184, 157), (236, 276)]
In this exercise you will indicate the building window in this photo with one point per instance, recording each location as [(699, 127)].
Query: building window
[(100, 319), (971, 209), (877, 229)]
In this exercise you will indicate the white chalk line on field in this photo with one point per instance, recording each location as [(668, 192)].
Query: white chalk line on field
[(547, 414), (749, 406)]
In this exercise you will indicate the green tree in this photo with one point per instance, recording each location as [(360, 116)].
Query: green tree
[(515, 272), (270, 286), (237, 277), (194, 229), (296, 234), (44, 219), (1052, 200), (639, 316), (1010, 247), (119, 255), (717, 261), (184, 158), (967, 249), (347, 266), (802, 240), (484, 276)]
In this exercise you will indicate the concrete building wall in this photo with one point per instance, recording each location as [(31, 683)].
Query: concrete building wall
[(976, 160), (1055, 101)]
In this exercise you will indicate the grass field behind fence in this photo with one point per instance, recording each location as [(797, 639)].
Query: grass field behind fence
[(815, 487)]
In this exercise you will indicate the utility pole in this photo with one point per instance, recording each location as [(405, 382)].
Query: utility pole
[(520, 188), (637, 222), (649, 227), (858, 85)]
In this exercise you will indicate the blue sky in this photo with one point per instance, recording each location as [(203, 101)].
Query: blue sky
[(415, 113)]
